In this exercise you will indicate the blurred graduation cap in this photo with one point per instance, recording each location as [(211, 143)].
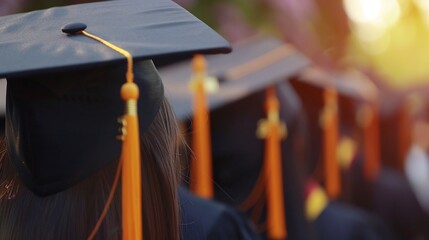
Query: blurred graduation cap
[(358, 109), (399, 110), (320, 102), (251, 67), (356, 100), (254, 66), (65, 67), (374, 183)]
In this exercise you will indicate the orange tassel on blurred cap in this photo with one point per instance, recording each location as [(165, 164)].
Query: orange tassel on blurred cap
[(368, 120), (273, 131), (329, 122), (201, 166)]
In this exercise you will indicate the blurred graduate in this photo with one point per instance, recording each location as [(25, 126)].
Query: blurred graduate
[(252, 87)]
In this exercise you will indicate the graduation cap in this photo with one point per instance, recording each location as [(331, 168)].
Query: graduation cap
[(255, 65), (322, 112), (341, 88), (359, 109), (65, 68)]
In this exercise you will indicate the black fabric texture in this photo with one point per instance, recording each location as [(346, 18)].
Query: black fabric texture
[(33, 43), (206, 219), (339, 221), (62, 127)]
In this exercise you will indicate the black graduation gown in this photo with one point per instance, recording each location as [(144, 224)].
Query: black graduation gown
[(391, 198), (342, 222), (203, 219)]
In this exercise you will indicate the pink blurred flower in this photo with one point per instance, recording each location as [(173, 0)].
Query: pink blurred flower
[(231, 23), (319, 28), (185, 3), (10, 6), (298, 9)]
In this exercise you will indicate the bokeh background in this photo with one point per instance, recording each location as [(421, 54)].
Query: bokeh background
[(385, 38), (384, 42)]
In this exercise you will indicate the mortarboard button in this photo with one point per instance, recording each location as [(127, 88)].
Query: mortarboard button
[(74, 28)]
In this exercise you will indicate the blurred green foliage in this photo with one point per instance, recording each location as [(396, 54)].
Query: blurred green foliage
[(256, 13)]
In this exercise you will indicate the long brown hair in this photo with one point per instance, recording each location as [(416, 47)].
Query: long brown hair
[(72, 214)]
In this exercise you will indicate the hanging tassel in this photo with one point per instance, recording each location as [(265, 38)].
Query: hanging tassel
[(368, 120), (201, 166), (273, 131), (131, 172), (131, 169), (329, 122), (403, 136)]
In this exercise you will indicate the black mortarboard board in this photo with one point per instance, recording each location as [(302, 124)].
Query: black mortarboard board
[(147, 29), (63, 89)]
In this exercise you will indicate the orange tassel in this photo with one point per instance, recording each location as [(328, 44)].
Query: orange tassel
[(201, 167), (131, 169), (330, 137), (371, 141), (403, 135), (130, 157), (273, 130)]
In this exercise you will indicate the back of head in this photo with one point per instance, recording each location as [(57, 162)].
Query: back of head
[(62, 156)]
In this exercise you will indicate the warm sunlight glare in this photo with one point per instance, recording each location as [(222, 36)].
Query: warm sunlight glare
[(371, 18)]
